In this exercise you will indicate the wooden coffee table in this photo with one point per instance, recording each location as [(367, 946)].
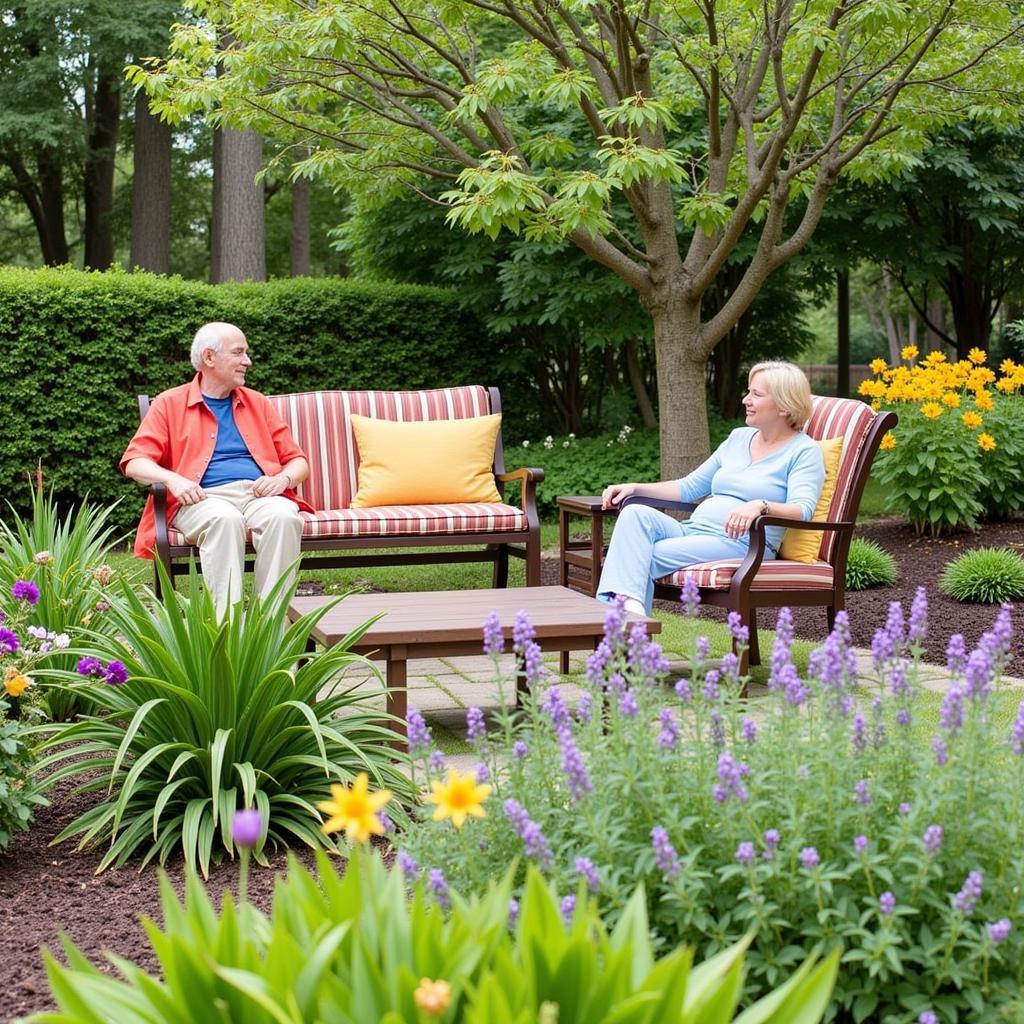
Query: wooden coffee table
[(449, 623)]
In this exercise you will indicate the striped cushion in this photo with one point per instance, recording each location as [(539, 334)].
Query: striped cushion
[(851, 419), (319, 422), (395, 520), (773, 575)]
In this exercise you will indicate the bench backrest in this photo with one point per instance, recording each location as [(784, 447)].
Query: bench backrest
[(858, 424), (319, 421)]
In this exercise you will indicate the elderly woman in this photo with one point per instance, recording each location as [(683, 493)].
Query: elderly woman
[(768, 467)]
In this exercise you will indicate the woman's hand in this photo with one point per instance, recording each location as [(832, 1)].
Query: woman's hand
[(614, 494), (738, 521)]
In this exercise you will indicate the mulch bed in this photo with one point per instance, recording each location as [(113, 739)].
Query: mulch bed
[(45, 890)]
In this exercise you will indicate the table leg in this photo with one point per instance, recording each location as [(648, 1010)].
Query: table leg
[(596, 551), (397, 701), (563, 544)]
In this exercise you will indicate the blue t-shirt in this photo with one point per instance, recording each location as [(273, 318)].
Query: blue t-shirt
[(793, 474), (231, 459)]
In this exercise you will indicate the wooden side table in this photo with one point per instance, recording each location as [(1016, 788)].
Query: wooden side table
[(581, 559)]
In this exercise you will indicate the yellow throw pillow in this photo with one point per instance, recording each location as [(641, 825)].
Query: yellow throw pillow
[(426, 462), (803, 545)]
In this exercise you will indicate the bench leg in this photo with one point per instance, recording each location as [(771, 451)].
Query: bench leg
[(500, 575), (397, 701)]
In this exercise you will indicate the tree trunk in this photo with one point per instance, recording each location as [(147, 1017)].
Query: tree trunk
[(300, 227), (682, 387), (636, 380), (103, 117), (843, 334), (972, 313), (239, 237), (51, 191), (151, 191), (936, 310)]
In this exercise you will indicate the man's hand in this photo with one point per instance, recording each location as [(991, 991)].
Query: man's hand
[(188, 492), (268, 486), (738, 521)]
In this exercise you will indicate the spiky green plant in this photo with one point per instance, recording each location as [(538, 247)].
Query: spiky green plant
[(984, 576), (216, 715), (869, 565)]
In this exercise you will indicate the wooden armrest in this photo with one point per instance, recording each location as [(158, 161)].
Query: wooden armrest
[(760, 522), (527, 480), (533, 475), (662, 503)]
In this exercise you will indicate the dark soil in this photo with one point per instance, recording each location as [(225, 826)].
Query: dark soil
[(45, 891)]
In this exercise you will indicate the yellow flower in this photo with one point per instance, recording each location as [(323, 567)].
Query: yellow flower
[(876, 405), (1006, 385), (931, 410), (880, 366), (952, 399), (935, 357), (354, 809), (986, 442), (983, 400), (888, 441), (1007, 366), (977, 355), (16, 683), (433, 997), (972, 420), (908, 352), (460, 796)]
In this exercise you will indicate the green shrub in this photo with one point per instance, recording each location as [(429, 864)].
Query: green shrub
[(79, 346), (868, 565), (64, 558), (198, 717), (354, 950), (18, 795), (985, 576), (812, 815), (1001, 490)]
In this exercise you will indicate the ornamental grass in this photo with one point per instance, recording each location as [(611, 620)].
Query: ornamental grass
[(833, 810), (198, 717)]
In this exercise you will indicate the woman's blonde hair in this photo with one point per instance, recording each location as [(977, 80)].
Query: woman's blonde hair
[(788, 386)]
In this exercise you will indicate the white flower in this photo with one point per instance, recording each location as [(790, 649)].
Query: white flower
[(61, 640), (43, 558), (526, 444), (572, 437), (565, 444), (37, 632)]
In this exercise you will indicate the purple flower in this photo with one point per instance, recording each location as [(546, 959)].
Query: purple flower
[(996, 642), (584, 707), (951, 712), (979, 673), (711, 692), (568, 907), (749, 729), (882, 648), (862, 793), (1017, 733), (918, 627), (702, 647), (933, 839), (859, 736), (771, 843), (435, 762), (809, 857), (903, 717), (532, 668), (730, 666), (561, 719), (385, 821), (574, 769), (416, 732), (408, 865), (894, 624), (115, 674), (956, 654), (887, 903), (519, 750), (940, 750), (683, 691), (494, 639), (476, 728), (246, 828), (25, 590), (967, 898), (781, 656), (740, 632), (898, 679), (927, 1017), (513, 913), (689, 596), (628, 706), (717, 728), (645, 656), (860, 845), (904, 808), (522, 632), (614, 623), (596, 664), (616, 683), (481, 773), (438, 885), (999, 931), (745, 854), (8, 641), (669, 735), (664, 854), (534, 840), (731, 774), (90, 667), (586, 870)]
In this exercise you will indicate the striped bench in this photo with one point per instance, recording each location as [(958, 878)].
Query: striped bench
[(319, 422)]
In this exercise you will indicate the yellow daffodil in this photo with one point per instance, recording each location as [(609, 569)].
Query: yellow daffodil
[(16, 683), (354, 809), (931, 410), (972, 420), (432, 997), (888, 441), (908, 352), (986, 442), (952, 399), (458, 797), (880, 366), (977, 355)]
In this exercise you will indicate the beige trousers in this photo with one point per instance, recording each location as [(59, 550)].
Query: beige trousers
[(217, 525)]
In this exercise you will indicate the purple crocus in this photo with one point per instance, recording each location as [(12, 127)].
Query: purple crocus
[(494, 639), (665, 855), (967, 898), (809, 857), (246, 828), (25, 590), (886, 903)]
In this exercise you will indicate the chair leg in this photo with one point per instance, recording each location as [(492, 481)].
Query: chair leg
[(500, 575), (754, 651)]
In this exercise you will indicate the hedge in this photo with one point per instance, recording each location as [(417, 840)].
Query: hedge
[(79, 346)]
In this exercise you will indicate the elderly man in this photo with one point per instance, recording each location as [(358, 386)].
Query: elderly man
[(229, 463)]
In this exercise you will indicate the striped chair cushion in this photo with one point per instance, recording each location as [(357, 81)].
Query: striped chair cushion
[(851, 419), (773, 575), (404, 520), (319, 422)]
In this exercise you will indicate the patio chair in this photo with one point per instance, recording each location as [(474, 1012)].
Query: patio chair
[(744, 585)]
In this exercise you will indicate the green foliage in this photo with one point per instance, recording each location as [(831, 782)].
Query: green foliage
[(214, 716), (868, 565), (985, 576), (79, 347), (814, 814), (65, 559), (355, 949), (1001, 488), (18, 795)]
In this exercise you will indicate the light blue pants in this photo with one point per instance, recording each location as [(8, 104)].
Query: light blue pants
[(647, 544)]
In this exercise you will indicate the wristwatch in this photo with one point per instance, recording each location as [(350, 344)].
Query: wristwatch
[(764, 507)]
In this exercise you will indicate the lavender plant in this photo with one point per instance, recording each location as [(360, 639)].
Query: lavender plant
[(826, 812)]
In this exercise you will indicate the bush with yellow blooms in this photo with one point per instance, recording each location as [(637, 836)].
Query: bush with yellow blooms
[(957, 455)]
